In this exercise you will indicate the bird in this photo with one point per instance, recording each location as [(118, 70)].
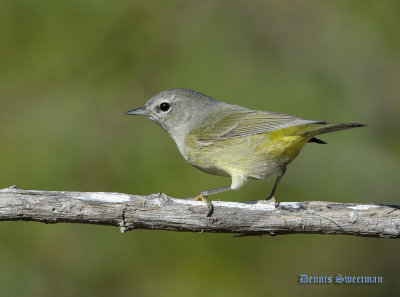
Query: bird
[(230, 140)]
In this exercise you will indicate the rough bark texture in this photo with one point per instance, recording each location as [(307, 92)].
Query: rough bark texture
[(161, 212)]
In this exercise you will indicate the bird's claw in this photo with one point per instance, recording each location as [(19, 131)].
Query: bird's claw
[(205, 199), (273, 200)]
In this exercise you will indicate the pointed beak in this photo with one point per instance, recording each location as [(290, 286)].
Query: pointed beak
[(138, 111)]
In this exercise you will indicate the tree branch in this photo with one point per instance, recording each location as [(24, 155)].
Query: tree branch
[(161, 212)]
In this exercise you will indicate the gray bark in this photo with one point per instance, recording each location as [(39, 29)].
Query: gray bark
[(160, 212)]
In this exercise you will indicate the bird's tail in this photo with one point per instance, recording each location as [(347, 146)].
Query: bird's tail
[(327, 128)]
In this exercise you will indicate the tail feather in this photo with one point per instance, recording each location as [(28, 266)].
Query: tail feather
[(327, 128), (316, 140)]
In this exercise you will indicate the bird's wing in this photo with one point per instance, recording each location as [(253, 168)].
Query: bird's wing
[(243, 123)]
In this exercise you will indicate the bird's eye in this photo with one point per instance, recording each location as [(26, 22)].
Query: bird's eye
[(165, 106)]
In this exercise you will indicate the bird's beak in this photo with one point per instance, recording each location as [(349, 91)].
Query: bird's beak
[(138, 111)]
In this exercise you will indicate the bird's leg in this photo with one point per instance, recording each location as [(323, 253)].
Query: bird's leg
[(271, 197), (203, 196)]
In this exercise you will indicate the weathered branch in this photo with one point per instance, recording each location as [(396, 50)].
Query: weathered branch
[(160, 212)]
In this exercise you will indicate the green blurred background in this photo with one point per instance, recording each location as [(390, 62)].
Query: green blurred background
[(68, 71)]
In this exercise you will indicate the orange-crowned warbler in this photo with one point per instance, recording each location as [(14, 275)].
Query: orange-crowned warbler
[(231, 140)]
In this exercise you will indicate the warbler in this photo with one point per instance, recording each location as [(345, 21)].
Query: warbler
[(231, 140)]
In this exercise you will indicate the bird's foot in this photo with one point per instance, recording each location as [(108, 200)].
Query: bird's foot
[(205, 199), (273, 200)]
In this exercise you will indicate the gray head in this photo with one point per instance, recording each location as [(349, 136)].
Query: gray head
[(177, 110)]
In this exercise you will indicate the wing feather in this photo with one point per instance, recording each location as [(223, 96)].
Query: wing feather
[(241, 123)]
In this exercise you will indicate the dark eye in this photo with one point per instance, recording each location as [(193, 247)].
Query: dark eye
[(165, 106)]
